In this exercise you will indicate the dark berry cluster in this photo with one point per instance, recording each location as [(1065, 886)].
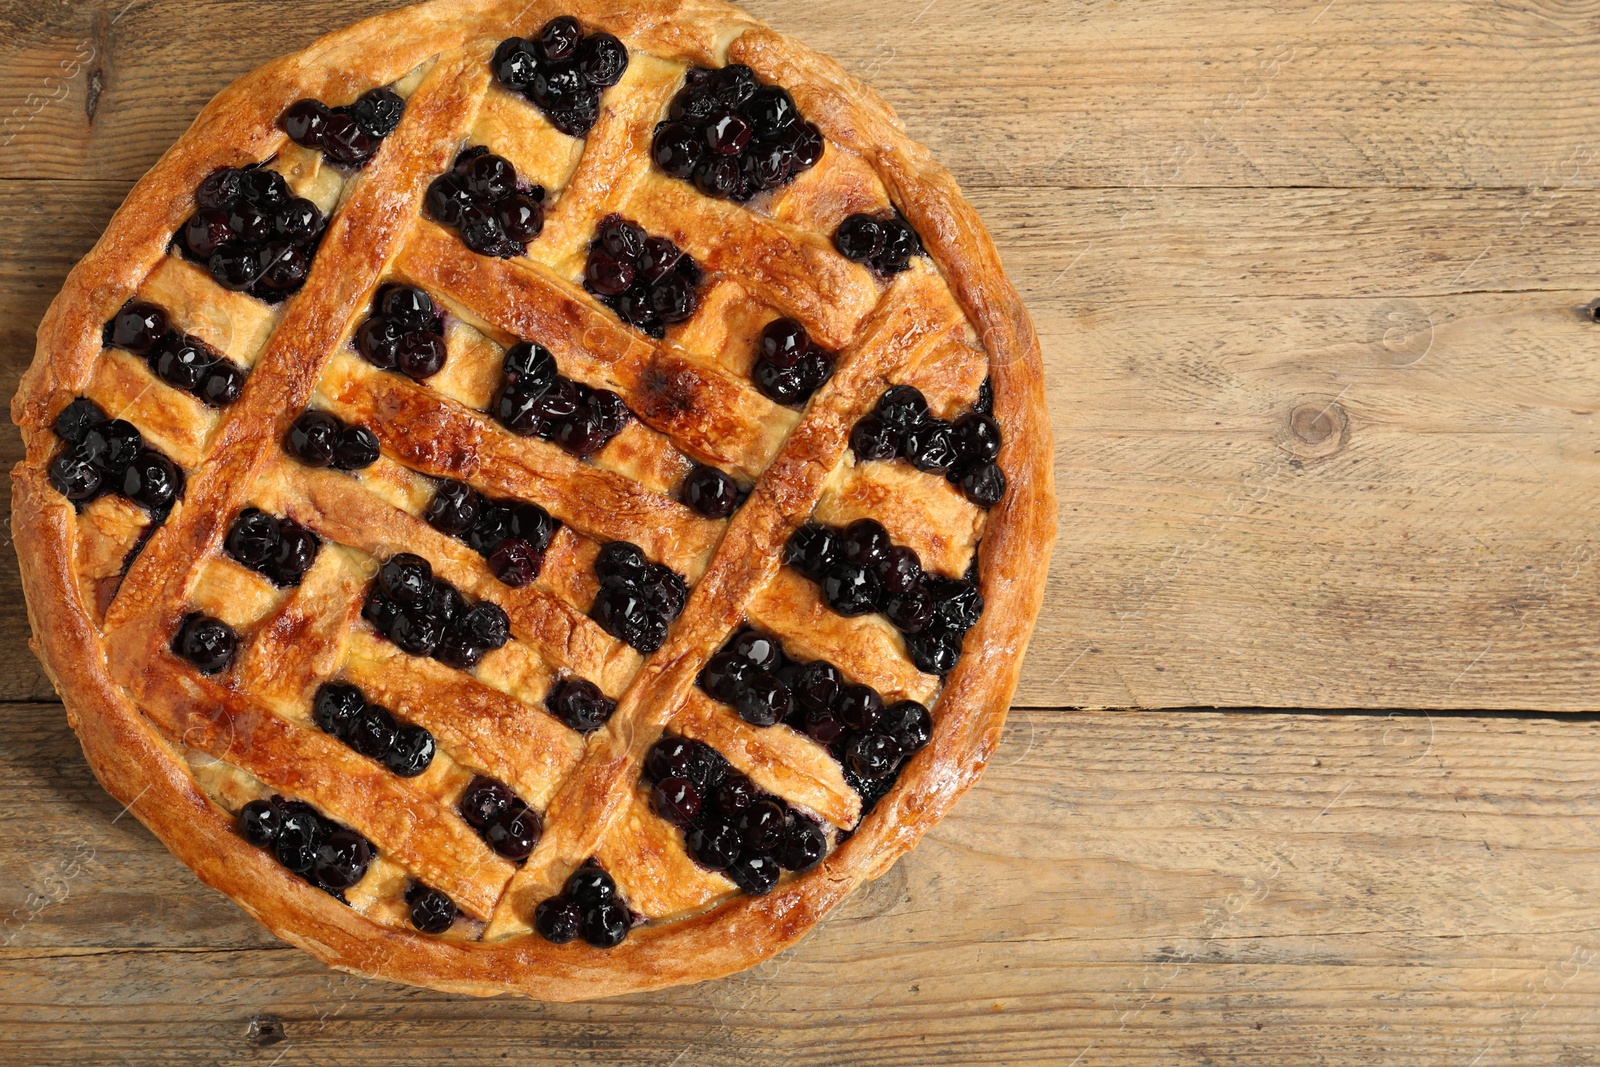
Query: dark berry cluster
[(483, 200), (789, 367), (329, 856), (589, 905), (210, 644), (504, 820), (754, 675), (181, 361), (350, 134), (562, 71), (432, 912), (648, 281), (711, 493), (510, 535), (404, 333), (427, 616), (536, 401), (252, 233), (885, 243), (280, 550), (637, 599), (109, 456), (963, 451), (861, 571), (733, 136), (344, 712), (580, 704), (729, 824), (321, 439)]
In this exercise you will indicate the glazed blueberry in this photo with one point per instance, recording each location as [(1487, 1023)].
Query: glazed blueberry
[(756, 648), (802, 847), (900, 571), (781, 385), (763, 824), (977, 438), (984, 485), (313, 438), (727, 133), (380, 611), (859, 238), (903, 407), (152, 481), (416, 634), (872, 438), (533, 524), (372, 731), (485, 798), (873, 755), (765, 701), (486, 624), (783, 342), (421, 355), (899, 245), (408, 307), (514, 832), (818, 685), (605, 925), (558, 920), (671, 757), (111, 446), (865, 543), (676, 800), (580, 704), (530, 367), (356, 448), (454, 508), (933, 653), (755, 874), (219, 188), (714, 846), (259, 823), (851, 589), (222, 383), (342, 859), (336, 708), (589, 887), (735, 795), (646, 280), (493, 525), (710, 493), (931, 446), (293, 555), (515, 562), (75, 478), (823, 726), (253, 538), (77, 418), (908, 723), (378, 111), (411, 751), (137, 327), (346, 142), (812, 549), (407, 579), (431, 911), (859, 707), (677, 149), (514, 62), (180, 363), (299, 221), (910, 611), (210, 644), (725, 676), (957, 604), (602, 59), (304, 122), (521, 217), (300, 831), (621, 562), (625, 615), (664, 591)]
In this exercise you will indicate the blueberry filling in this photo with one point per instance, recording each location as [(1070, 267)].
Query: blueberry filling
[(588, 906), (580, 704), (481, 198), (320, 439), (326, 854), (562, 71), (252, 233), (648, 281), (432, 912), (534, 400), (280, 550), (183, 362), (344, 712), (733, 136), (504, 820), (109, 456), (427, 616), (210, 644), (729, 824), (349, 135), (510, 535), (711, 493), (861, 572), (885, 243), (638, 599), (404, 333), (789, 367), (964, 451)]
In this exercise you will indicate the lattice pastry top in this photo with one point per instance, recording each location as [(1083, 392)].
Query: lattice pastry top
[(538, 497)]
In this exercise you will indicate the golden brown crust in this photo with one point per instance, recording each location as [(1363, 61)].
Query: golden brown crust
[(138, 712)]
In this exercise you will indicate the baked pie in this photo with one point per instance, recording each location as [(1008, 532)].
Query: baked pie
[(538, 498)]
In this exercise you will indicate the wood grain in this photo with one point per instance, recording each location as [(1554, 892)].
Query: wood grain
[(1312, 281), (1350, 888)]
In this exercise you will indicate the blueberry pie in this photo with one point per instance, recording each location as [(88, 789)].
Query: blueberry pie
[(538, 498)]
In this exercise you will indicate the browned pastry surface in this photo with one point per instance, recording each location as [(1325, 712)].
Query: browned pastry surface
[(185, 751)]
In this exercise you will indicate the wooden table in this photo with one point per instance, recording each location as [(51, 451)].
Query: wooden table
[(1313, 283)]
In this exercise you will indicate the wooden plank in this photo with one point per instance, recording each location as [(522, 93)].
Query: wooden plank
[(1227, 92), (1128, 888), (1428, 543)]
